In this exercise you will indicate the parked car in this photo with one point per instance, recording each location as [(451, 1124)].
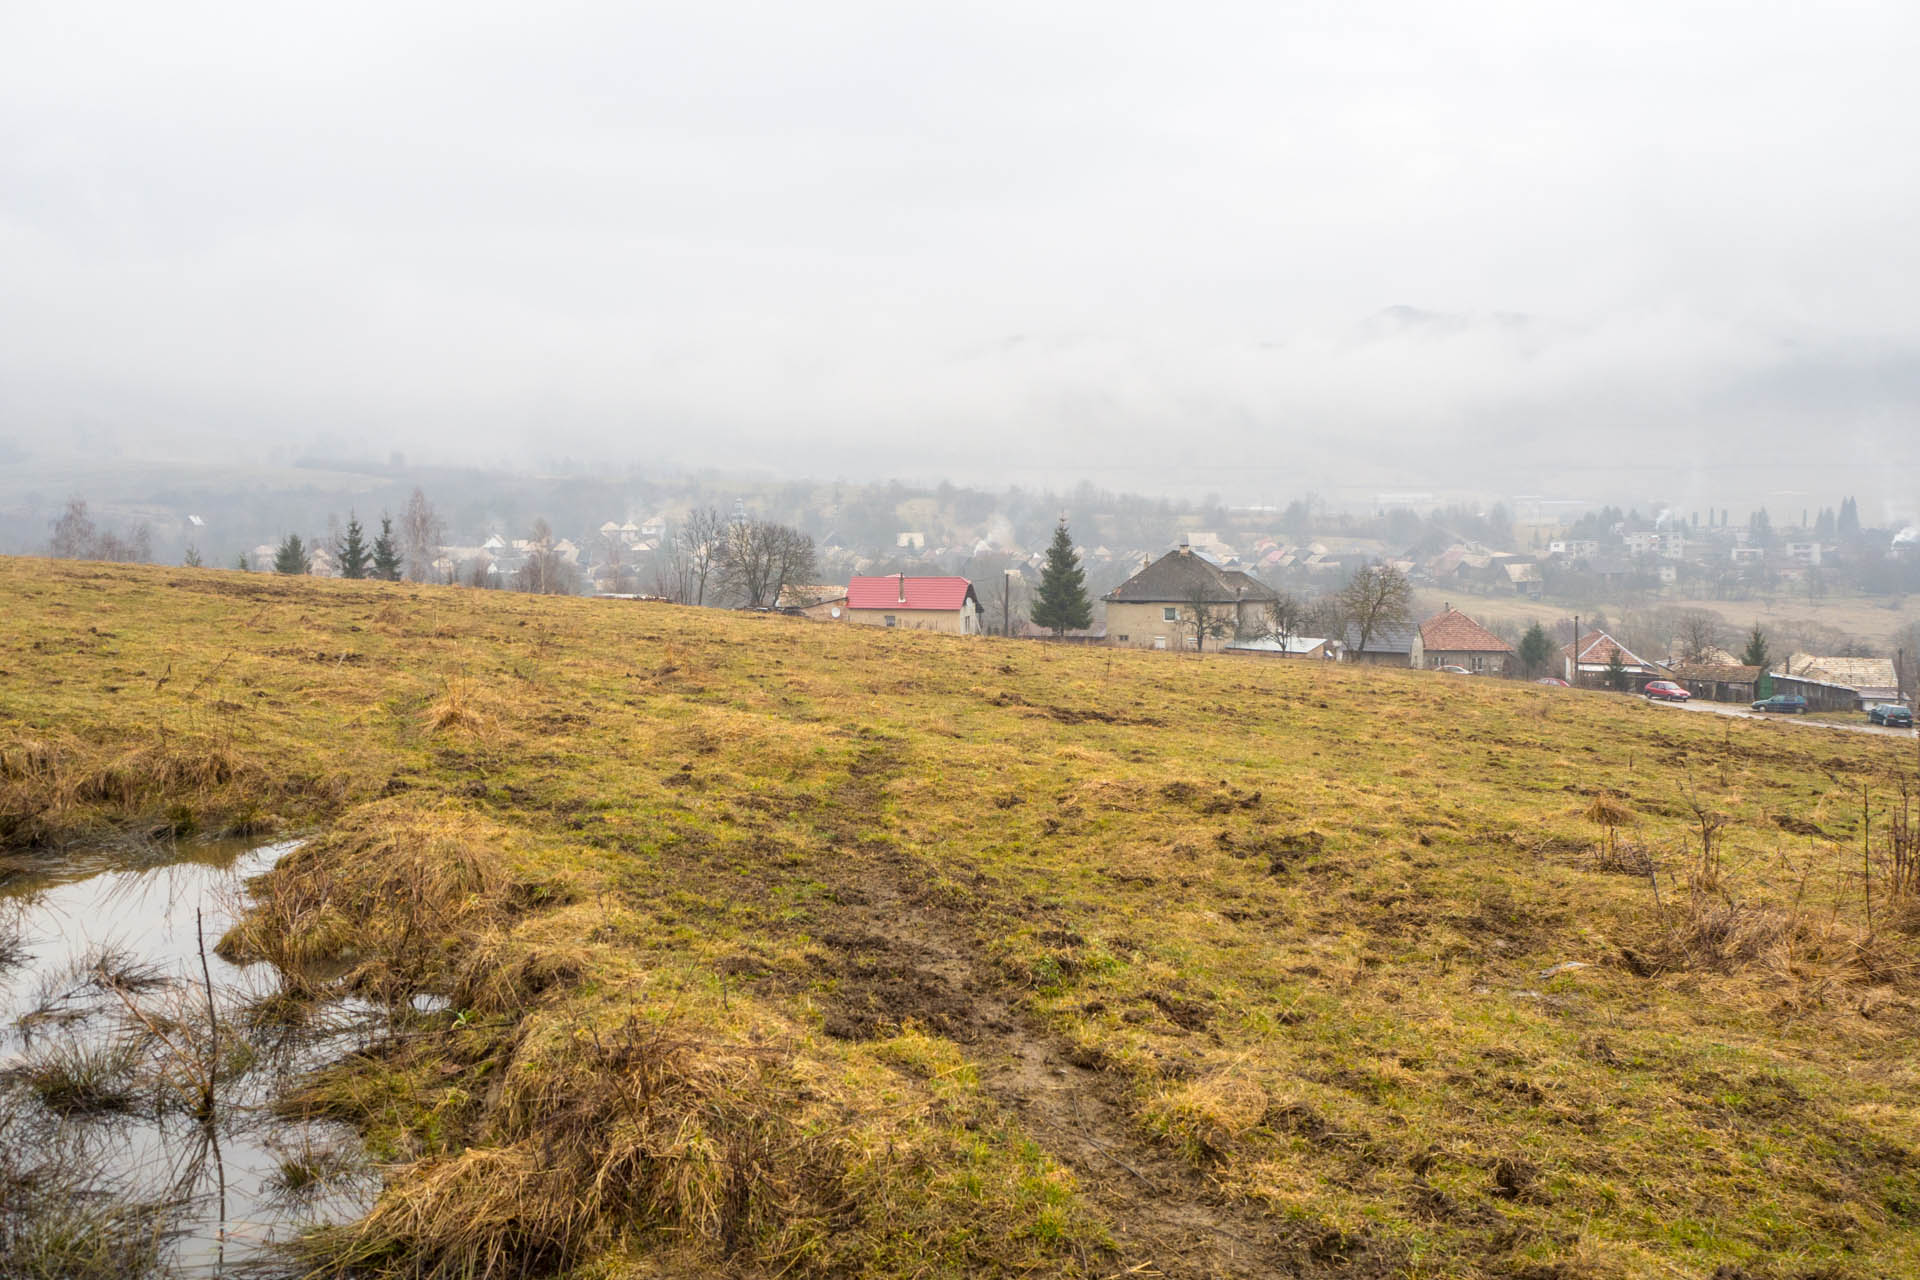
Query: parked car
[(1790, 703), (1555, 681), (1890, 713), (1666, 691), (1452, 670)]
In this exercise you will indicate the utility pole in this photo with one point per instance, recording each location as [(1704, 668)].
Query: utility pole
[(1573, 665)]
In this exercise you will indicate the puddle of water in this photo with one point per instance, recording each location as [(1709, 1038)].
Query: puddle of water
[(104, 931)]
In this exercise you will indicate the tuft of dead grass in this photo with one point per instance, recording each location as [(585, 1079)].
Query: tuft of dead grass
[(65, 787), (394, 893), (1205, 1119), (499, 973), (1609, 811), (1717, 935), (76, 1079), (597, 1138), (462, 707)]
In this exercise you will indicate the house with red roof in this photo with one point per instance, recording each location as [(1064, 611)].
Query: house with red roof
[(1452, 639), (915, 604)]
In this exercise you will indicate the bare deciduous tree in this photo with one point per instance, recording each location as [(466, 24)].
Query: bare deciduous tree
[(690, 559), (421, 530), (759, 557), (1906, 660), (1324, 616), (1206, 617), (1285, 614), (1375, 598), (672, 579), (76, 537), (73, 533), (546, 571), (1698, 633)]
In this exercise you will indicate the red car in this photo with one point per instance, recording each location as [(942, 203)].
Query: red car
[(1666, 691)]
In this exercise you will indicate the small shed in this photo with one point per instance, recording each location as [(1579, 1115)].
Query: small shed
[(1718, 681), (1821, 695)]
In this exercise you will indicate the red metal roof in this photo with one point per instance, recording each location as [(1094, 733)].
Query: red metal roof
[(918, 593)]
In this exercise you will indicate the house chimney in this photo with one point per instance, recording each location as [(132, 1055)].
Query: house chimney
[(903, 588), (1186, 547)]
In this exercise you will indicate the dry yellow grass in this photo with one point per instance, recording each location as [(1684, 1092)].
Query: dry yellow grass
[(778, 947)]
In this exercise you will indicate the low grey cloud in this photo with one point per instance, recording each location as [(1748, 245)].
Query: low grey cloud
[(1279, 243)]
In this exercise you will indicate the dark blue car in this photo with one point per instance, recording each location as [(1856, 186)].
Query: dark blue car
[(1791, 703)]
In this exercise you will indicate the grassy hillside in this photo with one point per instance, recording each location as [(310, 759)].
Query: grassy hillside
[(785, 948)]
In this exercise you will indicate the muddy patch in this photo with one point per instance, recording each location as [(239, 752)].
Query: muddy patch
[(881, 985), (137, 1075), (908, 954)]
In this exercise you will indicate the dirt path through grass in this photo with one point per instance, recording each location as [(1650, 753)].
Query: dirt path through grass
[(903, 953)]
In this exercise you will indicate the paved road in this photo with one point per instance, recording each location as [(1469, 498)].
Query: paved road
[(1739, 712)]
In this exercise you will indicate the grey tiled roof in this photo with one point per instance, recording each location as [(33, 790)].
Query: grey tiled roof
[(1175, 577)]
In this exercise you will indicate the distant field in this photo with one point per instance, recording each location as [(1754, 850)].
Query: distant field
[(1873, 620), (778, 948)]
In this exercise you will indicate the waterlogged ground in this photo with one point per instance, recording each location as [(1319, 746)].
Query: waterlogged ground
[(104, 1051)]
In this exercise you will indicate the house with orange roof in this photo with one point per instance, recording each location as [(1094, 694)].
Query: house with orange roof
[(1452, 639)]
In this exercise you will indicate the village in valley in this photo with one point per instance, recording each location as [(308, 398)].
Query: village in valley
[(1730, 610)]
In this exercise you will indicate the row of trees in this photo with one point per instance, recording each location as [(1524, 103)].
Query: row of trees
[(77, 537), (353, 554), (744, 561)]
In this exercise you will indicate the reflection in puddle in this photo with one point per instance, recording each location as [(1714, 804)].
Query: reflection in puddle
[(137, 1075)]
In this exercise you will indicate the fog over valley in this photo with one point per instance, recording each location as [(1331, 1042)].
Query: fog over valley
[(1254, 251)]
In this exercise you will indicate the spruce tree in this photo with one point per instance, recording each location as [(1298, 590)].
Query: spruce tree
[(386, 553), (292, 556), (352, 550), (1062, 605), (192, 559), (1756, 654), (1535, 649), (240, 563)]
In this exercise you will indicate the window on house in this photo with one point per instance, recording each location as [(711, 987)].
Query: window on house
[(1159, 642), (892, 621), (1119, 639), (1170, 614)]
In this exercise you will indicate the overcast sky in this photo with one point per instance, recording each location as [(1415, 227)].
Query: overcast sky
[(1116, 239)]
